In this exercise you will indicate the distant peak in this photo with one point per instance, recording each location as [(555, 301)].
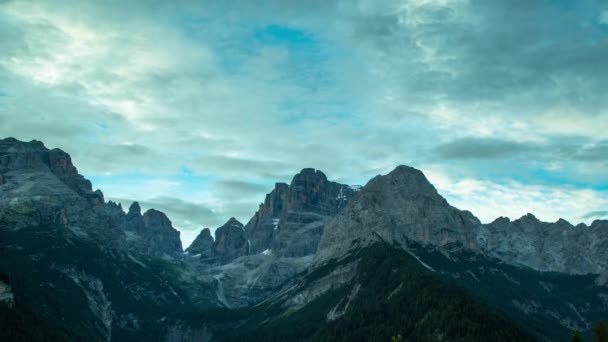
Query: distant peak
[(529, 216), (310, 172), (135, 209), (404, 178), (502, 219), (307, 170), (233, 221), (10, 142), (401, 169), (280, 185)]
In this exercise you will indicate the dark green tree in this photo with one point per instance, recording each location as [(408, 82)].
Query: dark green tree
[(576, 336), (600, 332)]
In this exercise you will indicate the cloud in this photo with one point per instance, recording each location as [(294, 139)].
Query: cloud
[(481, 148), (489, 200), (596, 214), (244, 95), (603, 18)]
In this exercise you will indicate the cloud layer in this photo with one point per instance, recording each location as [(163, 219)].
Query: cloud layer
[(197, 108)]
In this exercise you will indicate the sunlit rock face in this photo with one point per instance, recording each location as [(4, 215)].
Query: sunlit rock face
[(202, 245), (290, 221), (403, 205), (545, 246), (397, 207), (41, 187)]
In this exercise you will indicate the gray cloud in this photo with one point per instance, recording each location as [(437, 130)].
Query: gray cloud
[(241, 187), (597, 152), (481, 148), (155, 88), (596, 214)]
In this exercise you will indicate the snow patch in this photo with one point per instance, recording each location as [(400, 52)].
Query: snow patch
[(355, 187), (267, 252), (420, 261), (275, 223)]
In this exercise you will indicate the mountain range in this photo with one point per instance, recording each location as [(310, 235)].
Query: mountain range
[(318, 261)]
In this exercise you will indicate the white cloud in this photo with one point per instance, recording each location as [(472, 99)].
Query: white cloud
[(380, 83), (489, 200), (604, 17)]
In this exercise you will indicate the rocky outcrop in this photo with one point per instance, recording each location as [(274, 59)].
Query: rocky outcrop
[(41, 188), (290, 221), (401, 206), (32, 156), (230, 242), (544, 246), (202, 246), (151, 234), (277, 243), (311, 201), (265, 221)]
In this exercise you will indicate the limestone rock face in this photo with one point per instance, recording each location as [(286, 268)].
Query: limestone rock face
[(290, 221), (203, 245), (230, 241), (151, 234), (400, 206), (544, 246), (21, 156), (265, 221), (311, 201), (403, 206), (41, 187)]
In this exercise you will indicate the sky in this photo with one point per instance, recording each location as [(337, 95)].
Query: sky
[(197, 108)]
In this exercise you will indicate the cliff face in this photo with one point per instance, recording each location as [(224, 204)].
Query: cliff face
[(70, 255), (42, 187), (544, 246), (403, 206), (152, 233), (395, 208), (290, 221), (203, 245), (265, 221)]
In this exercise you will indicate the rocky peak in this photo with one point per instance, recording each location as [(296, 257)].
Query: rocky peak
[(528, 218), (404, 180), (290, 221), (203, 245), (266, 220), (151, 234), (134, 209), (155, 219), (33, 156), (230, 241), (310, 191), (396, 208), (234, 223)]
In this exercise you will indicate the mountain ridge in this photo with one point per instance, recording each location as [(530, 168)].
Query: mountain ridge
[(291, 251)]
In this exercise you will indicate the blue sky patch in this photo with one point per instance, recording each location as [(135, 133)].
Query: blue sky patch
[(279, 34)]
